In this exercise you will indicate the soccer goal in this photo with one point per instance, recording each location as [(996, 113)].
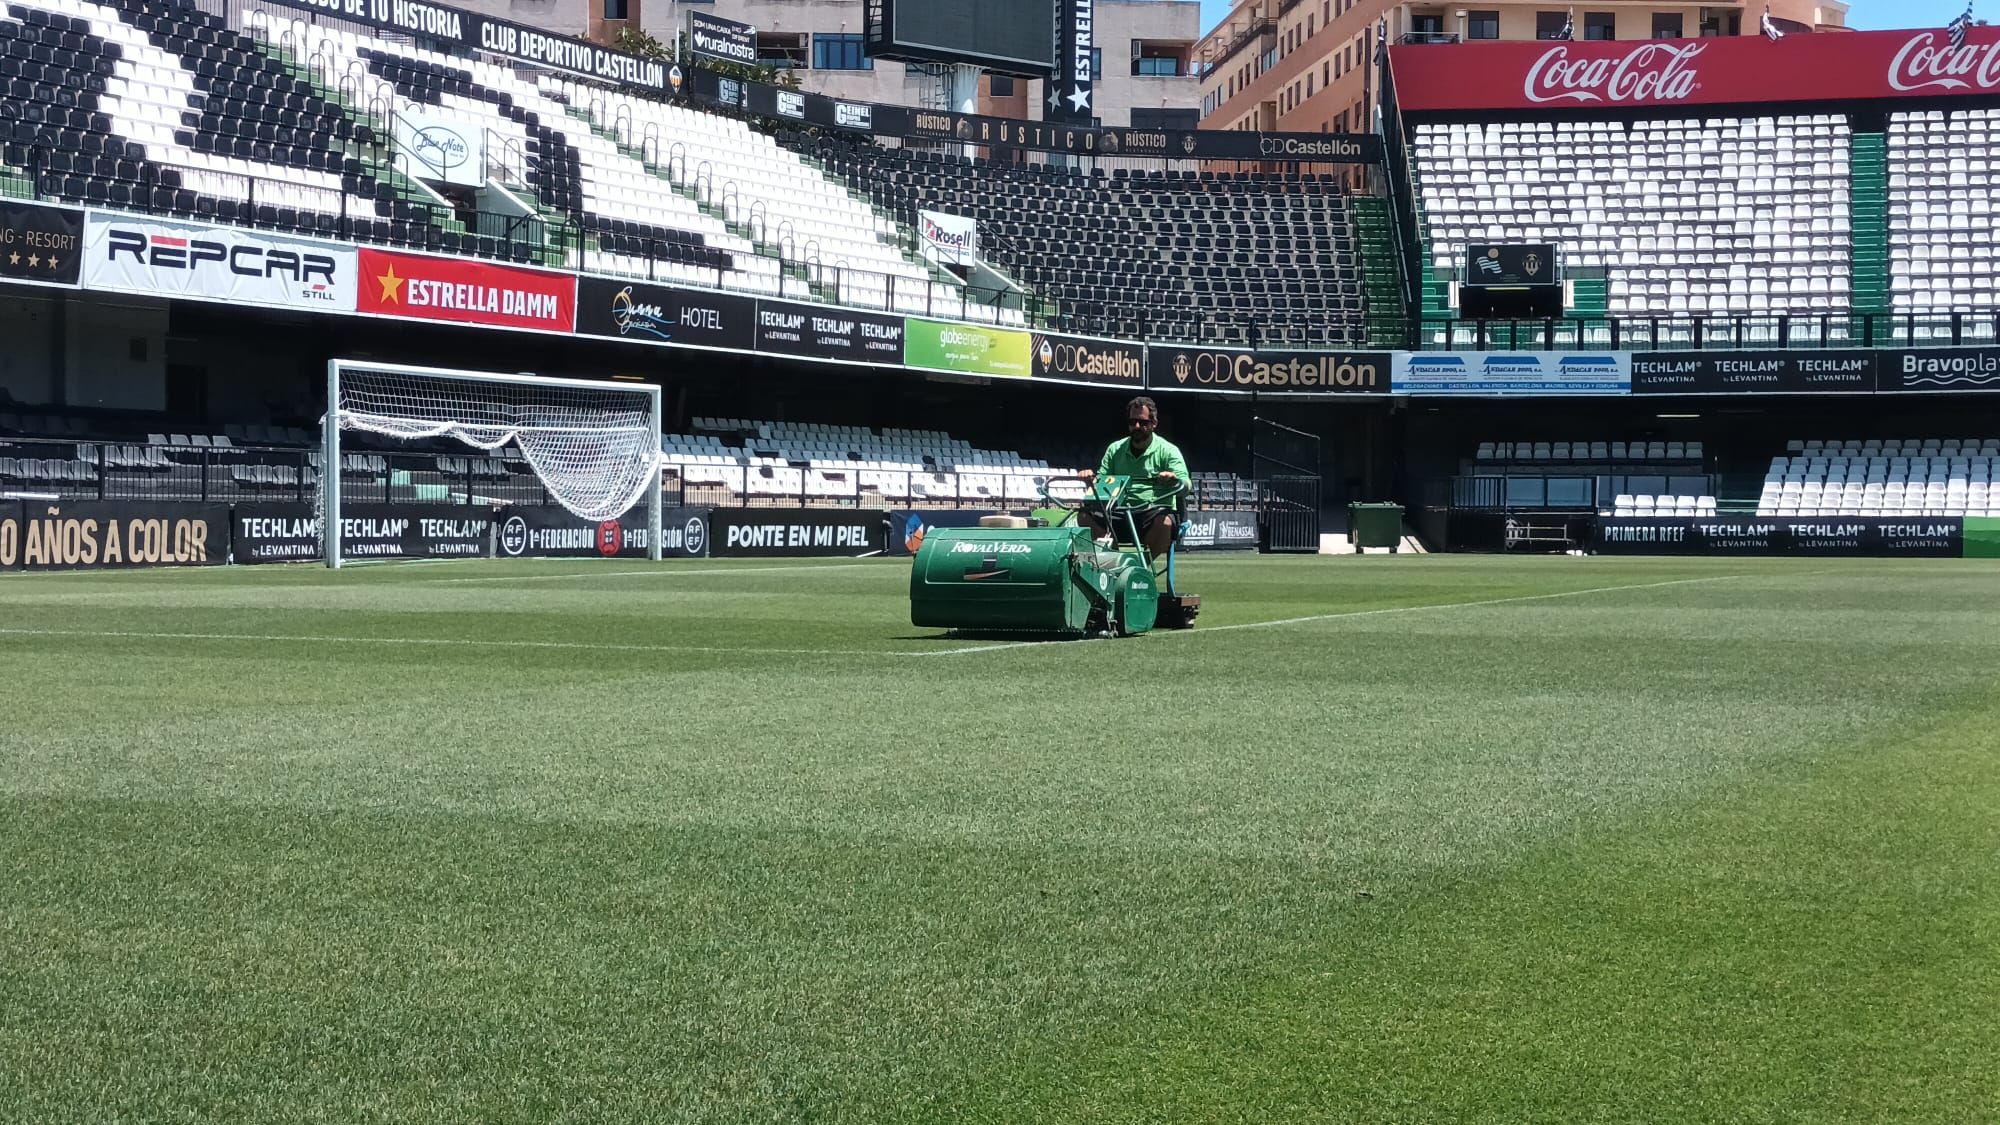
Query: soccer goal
[(595, 446)]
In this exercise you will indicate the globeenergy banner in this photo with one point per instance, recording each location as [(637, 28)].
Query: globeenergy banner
[(969, 349), (162, 258)]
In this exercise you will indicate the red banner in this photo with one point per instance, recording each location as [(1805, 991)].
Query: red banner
[(466, 292), (1739, 70)]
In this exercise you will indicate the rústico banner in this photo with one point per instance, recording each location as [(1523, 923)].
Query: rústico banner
[(1513, 373), (1748, 69), (1083, 359), (41, 244), (37, 535), (463, 291), (1768, 372), (1191, 367), (163, 258), (970, 349)]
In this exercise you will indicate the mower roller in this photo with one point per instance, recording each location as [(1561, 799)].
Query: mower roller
[(1052, 581)]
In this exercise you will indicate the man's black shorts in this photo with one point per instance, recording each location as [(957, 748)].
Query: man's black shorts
[(1147, 518)]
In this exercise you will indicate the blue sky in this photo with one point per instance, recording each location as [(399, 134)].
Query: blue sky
[(1867, 15)]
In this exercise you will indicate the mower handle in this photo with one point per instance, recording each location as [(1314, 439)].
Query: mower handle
[(1164, 499)]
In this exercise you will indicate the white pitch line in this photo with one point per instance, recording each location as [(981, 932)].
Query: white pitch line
[(447, 642), (666, 571), (1198, 632)]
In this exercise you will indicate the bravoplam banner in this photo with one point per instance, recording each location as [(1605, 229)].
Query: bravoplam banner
[(36, 535), (1825, 536), (797, 532), (1939, 369), (1757, 372)]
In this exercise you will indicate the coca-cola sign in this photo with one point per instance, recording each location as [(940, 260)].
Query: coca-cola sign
[(1745, 70), (1652, 72)]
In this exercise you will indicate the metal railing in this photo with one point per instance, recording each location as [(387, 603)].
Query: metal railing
[(1705, 333)]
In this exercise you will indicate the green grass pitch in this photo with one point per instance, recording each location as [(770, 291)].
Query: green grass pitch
[(1382, 840)]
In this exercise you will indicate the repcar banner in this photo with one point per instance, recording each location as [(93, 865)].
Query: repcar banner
[(162, 258), (1513, 373), (1940, 369), (1773, 372), (1748, 69), (1080, 359), (797, 532), (1196, 368), (37, 535), (659, 314), (970, 349), (821, 332), (40, 244), (1826, 536), (540, 532), (1220, 531), (463, 291)]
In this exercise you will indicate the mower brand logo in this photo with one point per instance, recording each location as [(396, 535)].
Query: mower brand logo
[(196, 256), (1924, 64), (1653, 72), (991, 549), (1247, 371)]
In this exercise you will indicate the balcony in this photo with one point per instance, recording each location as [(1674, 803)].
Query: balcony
[(1412, 37)]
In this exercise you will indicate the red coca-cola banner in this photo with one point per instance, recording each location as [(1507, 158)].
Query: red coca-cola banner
[(1744, 70), (466, 292)]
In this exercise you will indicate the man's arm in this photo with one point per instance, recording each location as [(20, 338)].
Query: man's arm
[(1177, 465)]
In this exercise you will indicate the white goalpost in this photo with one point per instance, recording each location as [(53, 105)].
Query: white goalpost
[(595, 446)]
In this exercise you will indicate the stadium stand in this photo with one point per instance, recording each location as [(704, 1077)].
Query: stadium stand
[(1728, 216), (1933, 477), (1944, 233), (1210, 257)]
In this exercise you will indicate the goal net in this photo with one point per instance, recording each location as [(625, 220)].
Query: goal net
[(594, 446)]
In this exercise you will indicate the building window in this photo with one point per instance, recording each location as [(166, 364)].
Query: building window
[(1601, 26), (1164, 118), (1096, 64), (1482, 25), (781, 50), (1000, 85), (1309, 84), (841, 52), (1156, 66), (1666, 25), (616, 9), (1549, 25)]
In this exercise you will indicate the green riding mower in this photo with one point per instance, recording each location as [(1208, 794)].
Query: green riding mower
[(1053, 581)]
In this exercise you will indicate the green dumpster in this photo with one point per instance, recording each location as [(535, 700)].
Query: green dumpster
[(1375, 525)]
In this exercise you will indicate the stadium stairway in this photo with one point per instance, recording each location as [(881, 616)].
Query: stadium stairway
[(1869, 192), (1388, 322)]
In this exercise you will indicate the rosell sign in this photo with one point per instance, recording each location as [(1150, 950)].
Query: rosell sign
[(1719, 71)]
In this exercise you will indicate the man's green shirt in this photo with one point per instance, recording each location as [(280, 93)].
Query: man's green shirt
[(1160, 456)]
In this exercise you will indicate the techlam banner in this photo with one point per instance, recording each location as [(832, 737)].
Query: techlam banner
[(1768, 372), (413, 531), (1081, 359), (461, 291), (1513, 373), (1193, 367), (114, 534), (1687, 72), (270, 533), (953, 239), (542, 532), (797, 532), (162, 258), (1940, 537)]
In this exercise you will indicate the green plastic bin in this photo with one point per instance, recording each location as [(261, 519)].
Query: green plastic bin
[(1375, 525)]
